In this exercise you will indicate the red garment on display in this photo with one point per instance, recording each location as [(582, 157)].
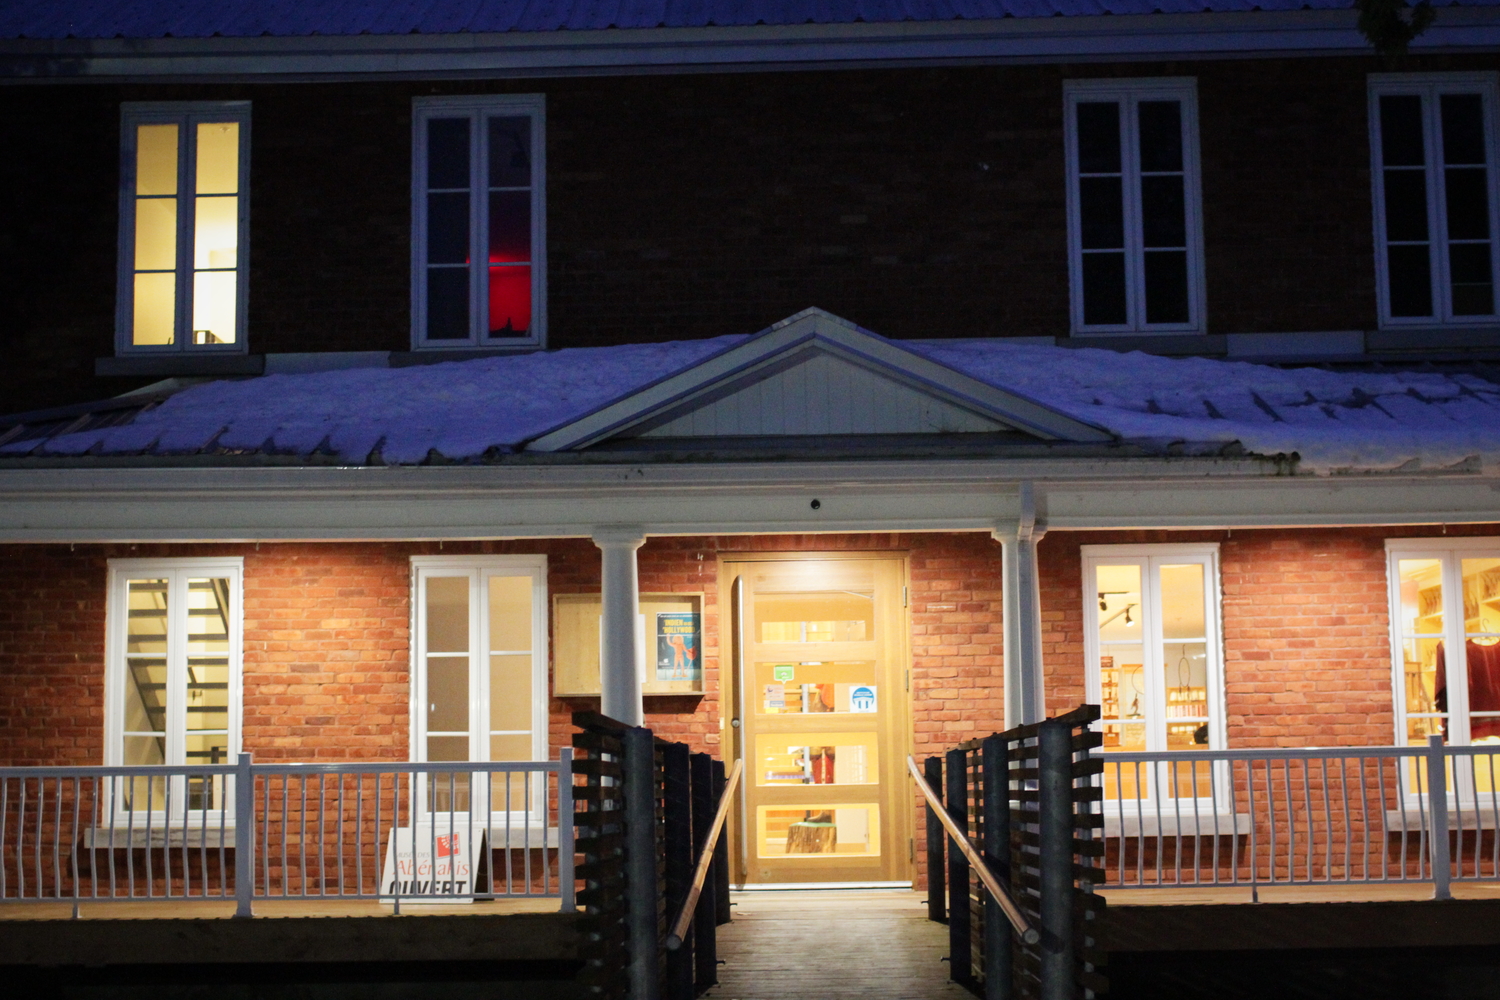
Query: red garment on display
[(1484, 686)]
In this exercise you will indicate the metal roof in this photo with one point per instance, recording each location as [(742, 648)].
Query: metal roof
[(145, 19)]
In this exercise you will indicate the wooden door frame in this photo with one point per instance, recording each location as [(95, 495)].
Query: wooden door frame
[(731, 681)]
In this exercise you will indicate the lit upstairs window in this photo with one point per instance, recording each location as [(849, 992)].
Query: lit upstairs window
[(1433, 147), (478, 211), (183, 227)]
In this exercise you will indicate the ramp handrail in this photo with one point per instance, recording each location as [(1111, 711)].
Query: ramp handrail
[(705, 859), (1023, 928)]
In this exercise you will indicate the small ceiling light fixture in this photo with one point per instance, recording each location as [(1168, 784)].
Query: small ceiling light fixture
[(1127, 616)]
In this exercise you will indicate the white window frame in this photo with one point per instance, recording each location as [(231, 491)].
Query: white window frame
[(1149, 557), (1129, 93), (1451, 552), (477, 108), (117, 622), (477, 569), (184, 114), (1429, 86)]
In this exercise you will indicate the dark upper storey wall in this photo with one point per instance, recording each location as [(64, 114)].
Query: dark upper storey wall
[(919, 202)]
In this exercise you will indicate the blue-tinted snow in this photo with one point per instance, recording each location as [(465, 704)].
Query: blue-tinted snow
[(290, 18), (461, 410)]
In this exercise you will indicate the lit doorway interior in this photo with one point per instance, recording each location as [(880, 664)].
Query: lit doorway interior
[(821, 678)]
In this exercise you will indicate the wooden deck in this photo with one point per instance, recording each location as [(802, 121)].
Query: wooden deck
[(833, 943)]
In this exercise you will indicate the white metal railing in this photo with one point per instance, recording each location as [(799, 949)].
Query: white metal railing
[(1327, 815), (449, 832)]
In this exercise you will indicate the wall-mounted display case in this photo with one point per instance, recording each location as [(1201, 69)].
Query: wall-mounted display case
[(669, 638)]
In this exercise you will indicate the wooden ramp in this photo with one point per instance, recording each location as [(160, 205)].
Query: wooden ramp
[(833, 943)]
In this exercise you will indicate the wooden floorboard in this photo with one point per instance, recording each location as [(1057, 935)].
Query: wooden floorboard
[(834, 943)]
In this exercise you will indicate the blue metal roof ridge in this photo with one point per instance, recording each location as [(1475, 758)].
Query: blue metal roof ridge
[(155, 19), (522, 54)]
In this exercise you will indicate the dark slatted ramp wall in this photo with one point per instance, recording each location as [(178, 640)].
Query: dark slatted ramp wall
[(837, 943)]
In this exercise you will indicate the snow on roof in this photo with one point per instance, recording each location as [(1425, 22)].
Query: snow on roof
[(466, 410)]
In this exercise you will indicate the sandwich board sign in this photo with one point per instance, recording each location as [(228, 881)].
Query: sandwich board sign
[(427, 865)]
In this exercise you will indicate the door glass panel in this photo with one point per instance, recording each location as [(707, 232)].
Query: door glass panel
[(208, 671), (1423, 656), (819, 831), (214, 307), (817, 759), (448, 695), (155, 234), (154, 309), (808, 687), (514, 786)]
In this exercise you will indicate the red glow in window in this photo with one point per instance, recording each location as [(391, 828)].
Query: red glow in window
[(510, 300)]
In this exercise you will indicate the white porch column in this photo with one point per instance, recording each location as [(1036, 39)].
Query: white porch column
[(1022, 611), (619, 673)]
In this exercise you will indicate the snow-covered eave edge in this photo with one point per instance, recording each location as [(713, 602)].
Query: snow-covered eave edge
[(1221, 34)]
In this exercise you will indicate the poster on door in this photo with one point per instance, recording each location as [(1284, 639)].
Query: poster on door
[(677, 647), (424, 864)]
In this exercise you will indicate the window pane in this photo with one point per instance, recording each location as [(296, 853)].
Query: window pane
[(1101, 213), (155, 309), (1410, 273), (1104, 288), (448, 228), (447, 614), (155, 234), (1166, 286), (447, 303), (510, 301), (1473, 281), (510, 227), (1182, 614), (448, 694), (1482, 652), (207, 748), (1424, 663), (214, 307), (218, 158), (510, 613), (510, 692), (1098, 138), (447, 748), (1163, 212), (1121, 648), (1406, 204), (1185, 679), (448, 153), (1421, 596), (1463, 128), (147, 601), (1401, 131), (156, 159), (1161, 135), (1468, 203), (510, 151), (216, 232), (143, 794)]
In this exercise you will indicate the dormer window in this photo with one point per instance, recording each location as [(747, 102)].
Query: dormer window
[(183, 219), (478, 211)]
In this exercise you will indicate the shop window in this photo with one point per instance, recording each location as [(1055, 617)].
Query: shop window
[(478, 210), (173, 693), (1134, 235), (479, 675), (1433, 149), (1155, 662), (183, 227)]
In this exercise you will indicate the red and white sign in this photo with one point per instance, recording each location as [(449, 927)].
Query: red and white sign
[(427, 865)]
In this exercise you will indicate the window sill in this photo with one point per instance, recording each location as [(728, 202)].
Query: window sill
[(1147, 823), (1466, 817), (210, 837), (181, 364)]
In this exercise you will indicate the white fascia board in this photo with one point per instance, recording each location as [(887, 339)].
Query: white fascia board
[(783, 343), (1208, 35), (180, 505)]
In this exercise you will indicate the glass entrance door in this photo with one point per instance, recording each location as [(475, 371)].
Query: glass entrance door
[(822, 703)]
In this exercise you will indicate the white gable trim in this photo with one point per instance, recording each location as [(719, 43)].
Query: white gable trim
[(789, 343)]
